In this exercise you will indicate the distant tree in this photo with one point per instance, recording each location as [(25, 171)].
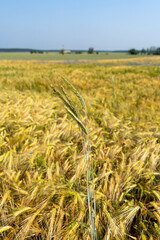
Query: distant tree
[(78, 52), (158, 51), (40, 52), (133, 51), (91, 50), (153, 50), (148, 52), (97, 52), (143, 51), (33, 51), (62, 51)]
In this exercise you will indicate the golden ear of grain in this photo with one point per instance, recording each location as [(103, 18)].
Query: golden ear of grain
[(157, 194), (4, 198), (112, 223), (131, 214), (22, 234), (19, 212), (5, 228), (52, 219)]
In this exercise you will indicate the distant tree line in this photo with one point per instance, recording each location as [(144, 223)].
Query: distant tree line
[(36, 51), (148, 51)]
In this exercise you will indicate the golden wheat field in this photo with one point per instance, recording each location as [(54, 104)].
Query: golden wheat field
[(43, 192)]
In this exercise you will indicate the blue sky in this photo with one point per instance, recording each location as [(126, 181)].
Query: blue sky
[(79, 24)]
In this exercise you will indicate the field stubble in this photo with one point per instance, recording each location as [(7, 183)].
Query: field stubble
[(42, 175)]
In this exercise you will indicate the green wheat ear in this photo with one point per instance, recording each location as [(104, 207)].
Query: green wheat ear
[(75, 92), (66, 102), (70, 101), (77, 120), (69, 106)]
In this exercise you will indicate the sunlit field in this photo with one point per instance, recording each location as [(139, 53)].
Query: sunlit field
[(73, 57), (42, 171)]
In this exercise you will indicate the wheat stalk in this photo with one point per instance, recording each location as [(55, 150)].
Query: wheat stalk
[(73, 112)]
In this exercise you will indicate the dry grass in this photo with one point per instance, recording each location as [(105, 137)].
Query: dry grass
[(43, 191)]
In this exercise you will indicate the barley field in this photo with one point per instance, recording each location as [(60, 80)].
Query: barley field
[(43, 192)]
